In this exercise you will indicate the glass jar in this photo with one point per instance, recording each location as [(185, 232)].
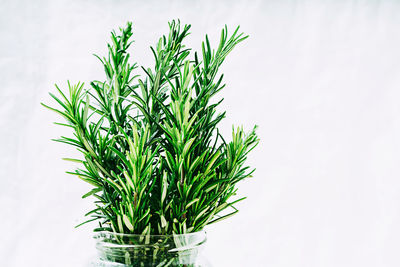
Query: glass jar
[(132, 250)]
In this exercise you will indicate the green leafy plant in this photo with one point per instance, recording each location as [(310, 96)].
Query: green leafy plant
[(150, 144)]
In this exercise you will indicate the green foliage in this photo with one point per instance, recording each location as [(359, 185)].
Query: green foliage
[(150, 144)]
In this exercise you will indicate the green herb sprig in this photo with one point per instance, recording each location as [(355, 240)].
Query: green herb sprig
[(150, 143)]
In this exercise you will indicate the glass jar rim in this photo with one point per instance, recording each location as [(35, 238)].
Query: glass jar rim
[(103, 233), (107, 239)]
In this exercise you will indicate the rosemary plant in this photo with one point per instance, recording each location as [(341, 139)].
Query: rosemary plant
[(150, 144)]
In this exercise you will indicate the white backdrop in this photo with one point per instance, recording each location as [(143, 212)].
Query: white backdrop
[(320, 78)]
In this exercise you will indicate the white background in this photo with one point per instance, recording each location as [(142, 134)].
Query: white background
[(320, 78)]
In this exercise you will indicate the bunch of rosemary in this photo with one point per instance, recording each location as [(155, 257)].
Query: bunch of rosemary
[(150, 144)]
